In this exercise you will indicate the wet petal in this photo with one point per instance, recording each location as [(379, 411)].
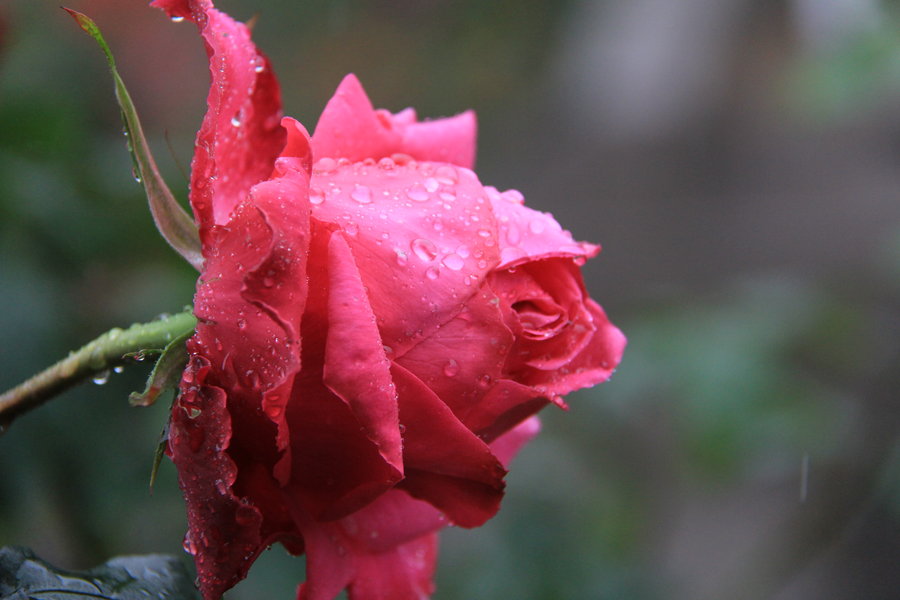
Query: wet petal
[(422, 235), (446, 464), (351, 128), (527, 234), (241, 134)]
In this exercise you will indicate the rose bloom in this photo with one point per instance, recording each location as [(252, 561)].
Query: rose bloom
[(376, 330)]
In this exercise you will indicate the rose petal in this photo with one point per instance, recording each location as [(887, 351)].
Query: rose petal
[(345, 553), (446, 464), (356, 368), (336, 467), (527, 234), (460, 361), (422, 235), (240, 136), (557, 283), (596, 362), (351, 128), (223, 534), (507, 404), (450, 140)]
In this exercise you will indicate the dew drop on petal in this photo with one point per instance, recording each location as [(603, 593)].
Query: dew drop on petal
[(101, 378), (401, 257), (424, 249), (451, 368), (325, 165), (362, 194), (446, 174), (432, 273), (177, 19), (316, 195), (454, 262), (188, 544), (432, 185), (536, 227), (418, 193)]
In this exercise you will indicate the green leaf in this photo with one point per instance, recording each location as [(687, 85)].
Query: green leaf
[(24, 576), (173, 222), (166, 372)]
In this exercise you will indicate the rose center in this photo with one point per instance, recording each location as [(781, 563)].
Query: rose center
[(540, 318)]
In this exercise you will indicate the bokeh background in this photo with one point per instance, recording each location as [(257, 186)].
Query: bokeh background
[(737, 159)]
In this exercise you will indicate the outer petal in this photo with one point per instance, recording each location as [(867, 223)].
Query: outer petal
[(343, 452), (527, 234), (240, 136), (356, 368), (387, 550), (408, 224), (249, 301), (223, 533), (351, 128), (446, 464)]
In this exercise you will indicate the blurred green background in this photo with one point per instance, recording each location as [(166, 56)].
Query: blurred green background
[(737, 159)]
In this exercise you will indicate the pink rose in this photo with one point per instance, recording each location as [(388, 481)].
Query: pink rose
[(377, 330)]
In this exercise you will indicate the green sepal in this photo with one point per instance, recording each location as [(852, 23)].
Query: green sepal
[(160, 452), (172, 221), (166, 373)]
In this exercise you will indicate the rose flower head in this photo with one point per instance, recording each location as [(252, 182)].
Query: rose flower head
[(376, 330)]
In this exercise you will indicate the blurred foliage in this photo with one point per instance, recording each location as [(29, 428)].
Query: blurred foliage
[(747, 442)]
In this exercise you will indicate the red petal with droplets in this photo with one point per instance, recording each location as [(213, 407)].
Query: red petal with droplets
[(351, 128), (241, 134)]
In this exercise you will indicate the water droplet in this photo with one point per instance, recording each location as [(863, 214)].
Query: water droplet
[(188, 544), (101, 378), (361, 194), (536, 227), (462, 251), (484, 381), (236, 120), (136, 174), (387, 163), (485, 233), (316, 195), (418, 193), (352, 229), (242, 324), (401, 257), (451, 368), (432, 273), (177, 19), (273, 411), (453, 262), (118, 369), (514, 196), (424, 249), (446, 174), (325, 165), (432, 185), (268, 282)]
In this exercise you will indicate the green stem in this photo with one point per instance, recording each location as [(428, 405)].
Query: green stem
[(107, 351)]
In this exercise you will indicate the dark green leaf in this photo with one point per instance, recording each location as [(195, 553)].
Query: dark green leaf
[(23, 576)]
